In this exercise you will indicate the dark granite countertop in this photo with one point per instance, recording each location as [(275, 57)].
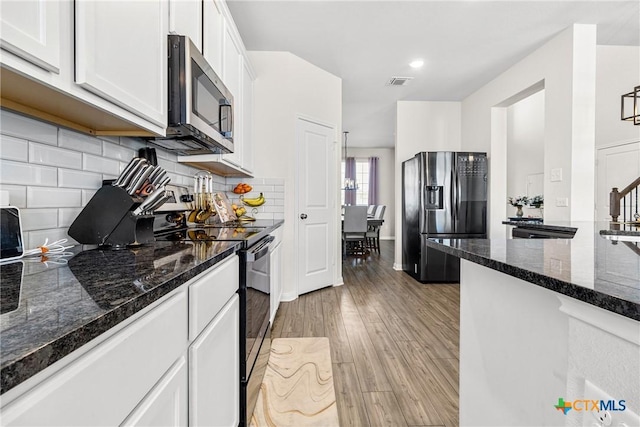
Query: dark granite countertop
[(568, 227), (589, 267), (57, 308)]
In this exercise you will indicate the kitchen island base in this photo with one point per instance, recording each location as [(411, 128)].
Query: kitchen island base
[(523, 347)]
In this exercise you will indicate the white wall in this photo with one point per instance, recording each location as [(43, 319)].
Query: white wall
[(525, 147), (386, 196), (617, 73), (565, 66), (288, 86), (421, 126)]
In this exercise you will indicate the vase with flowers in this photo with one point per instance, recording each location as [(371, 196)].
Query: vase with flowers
[(518, 202)]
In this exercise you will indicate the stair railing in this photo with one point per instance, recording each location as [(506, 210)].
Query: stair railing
[(626, 198)]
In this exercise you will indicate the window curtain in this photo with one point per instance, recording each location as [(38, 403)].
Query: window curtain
[(373, 181), (350, 173)]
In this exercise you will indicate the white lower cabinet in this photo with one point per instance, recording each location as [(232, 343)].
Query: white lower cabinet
[(167, 404), (146, 371), (103, 385), (214, 368)]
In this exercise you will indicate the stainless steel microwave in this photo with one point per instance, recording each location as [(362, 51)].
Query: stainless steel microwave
[(200, 119)]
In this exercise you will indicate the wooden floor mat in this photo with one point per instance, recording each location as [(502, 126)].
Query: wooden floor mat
[(297, 389)]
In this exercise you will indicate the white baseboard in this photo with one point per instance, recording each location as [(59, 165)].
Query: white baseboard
[(397, 267), (286, 297), (340, 282)]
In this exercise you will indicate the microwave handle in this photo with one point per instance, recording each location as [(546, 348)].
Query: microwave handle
[(227, 133)]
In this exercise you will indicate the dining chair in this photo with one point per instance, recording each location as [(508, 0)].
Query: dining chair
[(354, 229), (373, 231), (371, 210)]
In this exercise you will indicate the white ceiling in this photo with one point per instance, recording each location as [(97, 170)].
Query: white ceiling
[(464, 44)]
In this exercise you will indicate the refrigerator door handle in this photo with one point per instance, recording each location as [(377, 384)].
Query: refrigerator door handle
[(454, 196), (458, 196)]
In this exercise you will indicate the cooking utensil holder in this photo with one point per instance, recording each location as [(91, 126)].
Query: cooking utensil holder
[(108, 220)]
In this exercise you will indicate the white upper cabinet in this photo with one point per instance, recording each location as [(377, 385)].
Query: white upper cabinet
[(121, 54), (212, 35), (224, 51), (30, 29), (232, 77), (247, 118), (185, 19)]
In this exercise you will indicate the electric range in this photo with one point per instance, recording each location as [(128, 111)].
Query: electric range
[(254, 291)]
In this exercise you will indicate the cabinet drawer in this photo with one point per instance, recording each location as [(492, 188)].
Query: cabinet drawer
[(104, 385), (209, 292)]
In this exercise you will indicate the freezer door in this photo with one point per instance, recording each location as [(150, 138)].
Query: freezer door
[(470, 200), (434, 266), (439, 193), (411, 208)]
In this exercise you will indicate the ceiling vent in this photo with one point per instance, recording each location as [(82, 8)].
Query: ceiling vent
[(399, 81)]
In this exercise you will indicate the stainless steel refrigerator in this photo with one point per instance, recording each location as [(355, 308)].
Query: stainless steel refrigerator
[(444, 196)]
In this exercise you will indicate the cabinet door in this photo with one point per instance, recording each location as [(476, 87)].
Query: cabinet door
[(30, 29), (212, 35), (185, 18), (121, 54), (104, 385), (167, 403), (214, 371), (247, 118), (276, 280), (232, 75)]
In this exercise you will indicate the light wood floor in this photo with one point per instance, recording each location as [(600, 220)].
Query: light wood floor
[(394, 343)]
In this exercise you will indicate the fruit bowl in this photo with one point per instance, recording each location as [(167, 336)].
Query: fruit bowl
[(242, 188)]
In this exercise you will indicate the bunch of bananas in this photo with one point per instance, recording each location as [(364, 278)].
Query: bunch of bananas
[(253, 202)]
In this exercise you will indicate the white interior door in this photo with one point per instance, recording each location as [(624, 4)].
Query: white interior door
[(617, 167), (316, 207)]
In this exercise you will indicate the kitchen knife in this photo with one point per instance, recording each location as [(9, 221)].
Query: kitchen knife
[(128, 172), (153, 197), (157, 203), (142, 180), (157, 178)]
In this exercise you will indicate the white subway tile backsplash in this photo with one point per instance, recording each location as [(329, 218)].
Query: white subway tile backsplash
[(80, 142), (112, 139), (17, 195), (185, 170), (166, 165), (68, 178), (26, 174), (37, 238), (117, 152), (133, 143), (26, 128), (39, 219), (14, 148), (42, 197), (87, 195), (47, 155), (51, 183), (100, 164), (167, 155), (66, 216)]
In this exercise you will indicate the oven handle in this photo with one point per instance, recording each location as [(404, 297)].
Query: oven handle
[(260, 250)]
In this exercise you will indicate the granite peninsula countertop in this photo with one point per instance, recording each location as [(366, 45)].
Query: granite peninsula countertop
[(589, 267), (56, 307)]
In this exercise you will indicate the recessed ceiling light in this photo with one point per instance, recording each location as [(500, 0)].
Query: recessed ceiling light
[(417, 63)]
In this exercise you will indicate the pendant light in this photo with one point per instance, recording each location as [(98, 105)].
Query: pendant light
[(631, 99), (349, 183)]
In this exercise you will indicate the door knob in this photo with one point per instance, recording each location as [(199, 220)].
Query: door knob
[(303, 216)]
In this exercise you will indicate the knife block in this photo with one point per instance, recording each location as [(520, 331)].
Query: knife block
[(108, 220)]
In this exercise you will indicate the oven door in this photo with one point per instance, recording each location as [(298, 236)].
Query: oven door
[(255, 290)]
